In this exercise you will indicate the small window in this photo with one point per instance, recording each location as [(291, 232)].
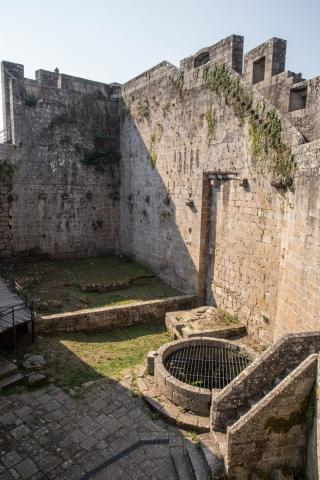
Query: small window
[(201, 59), (298, 99), (259, 67)]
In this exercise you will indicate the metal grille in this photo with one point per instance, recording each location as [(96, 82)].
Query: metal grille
[(206, 366)]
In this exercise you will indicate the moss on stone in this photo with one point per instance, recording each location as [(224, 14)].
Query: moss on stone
[(299, 417)]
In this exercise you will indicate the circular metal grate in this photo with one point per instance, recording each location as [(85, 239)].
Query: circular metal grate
[(206, 366)]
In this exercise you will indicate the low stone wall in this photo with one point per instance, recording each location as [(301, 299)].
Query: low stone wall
[(286, 353), (105, 318), (272, 437)]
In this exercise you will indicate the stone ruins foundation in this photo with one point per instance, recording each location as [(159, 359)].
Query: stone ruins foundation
[(209, 175)]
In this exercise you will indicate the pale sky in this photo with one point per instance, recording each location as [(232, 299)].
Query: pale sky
[(112, 41)]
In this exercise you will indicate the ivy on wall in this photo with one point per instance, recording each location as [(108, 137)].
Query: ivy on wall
[(265, 128), (155, 137), (103, 155)]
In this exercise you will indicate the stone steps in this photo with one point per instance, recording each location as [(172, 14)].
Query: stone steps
[(9, 375), (211, 447), (199, 466), (11, 381), (7, 368), (181, 463)]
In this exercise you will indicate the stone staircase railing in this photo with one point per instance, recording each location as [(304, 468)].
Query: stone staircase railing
[(272, 437), (260, 377)]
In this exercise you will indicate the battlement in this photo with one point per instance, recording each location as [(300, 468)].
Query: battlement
[(263, 67), (46, 78), (228, 51)]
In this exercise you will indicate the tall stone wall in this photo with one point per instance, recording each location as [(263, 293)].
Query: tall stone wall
[(175, 139), (58, 205), (188, 197), (299, 294)]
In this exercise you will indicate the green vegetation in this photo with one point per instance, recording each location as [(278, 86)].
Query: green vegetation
[(304, 415), (225, 317), (100, 159), (211, 123), (154, 139), (6, 172), (265, 128), (267, 147), (30, 100), (104, 154), (100, 95), (193, 436), (91, 356), (62, 285)]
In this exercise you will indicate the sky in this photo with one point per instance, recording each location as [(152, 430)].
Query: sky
[(113, 41)]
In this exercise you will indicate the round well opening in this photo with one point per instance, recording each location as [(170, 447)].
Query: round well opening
[(206, 366)]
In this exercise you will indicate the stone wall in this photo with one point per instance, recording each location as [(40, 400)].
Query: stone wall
[(105, 318), (272, 438), (207, 235), (189, 200), (59, 206), (261, 374)]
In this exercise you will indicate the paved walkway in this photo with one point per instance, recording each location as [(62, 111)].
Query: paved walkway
[(46, 434)]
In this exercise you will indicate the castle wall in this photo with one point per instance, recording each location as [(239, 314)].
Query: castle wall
[(58, 205), (188, 198), (167, 145)]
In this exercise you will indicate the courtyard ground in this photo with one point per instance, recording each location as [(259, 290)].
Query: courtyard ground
[(89, 416), (90, 356), (48, 435), (72, 284)]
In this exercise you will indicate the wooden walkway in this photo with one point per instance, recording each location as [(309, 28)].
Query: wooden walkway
[(13, 310)]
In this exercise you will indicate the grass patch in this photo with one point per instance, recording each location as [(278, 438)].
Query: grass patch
[(73, 359), (57, 285)]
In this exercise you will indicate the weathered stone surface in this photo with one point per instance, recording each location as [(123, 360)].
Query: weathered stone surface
[(203, 321), (36, 379), (104, 318)]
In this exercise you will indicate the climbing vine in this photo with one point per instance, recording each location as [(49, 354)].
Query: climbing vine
[(265, 128), (103, 155), (155, 137), (211, 122)]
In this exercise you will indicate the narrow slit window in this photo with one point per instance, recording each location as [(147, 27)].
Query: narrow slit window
[(258, 73)]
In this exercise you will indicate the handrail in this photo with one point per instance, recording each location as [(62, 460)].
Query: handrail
[(10, 310), (21, 304), (6, 135)]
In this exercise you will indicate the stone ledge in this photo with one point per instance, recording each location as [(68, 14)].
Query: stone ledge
[(104, 318), (168, 410)]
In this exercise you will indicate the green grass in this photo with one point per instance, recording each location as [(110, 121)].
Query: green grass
[(61, 281), (73, 359)]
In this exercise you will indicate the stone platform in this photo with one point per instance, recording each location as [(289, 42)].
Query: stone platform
[(204, 321)]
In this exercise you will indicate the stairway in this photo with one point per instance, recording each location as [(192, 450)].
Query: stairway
[(9, 375), (189, 461)]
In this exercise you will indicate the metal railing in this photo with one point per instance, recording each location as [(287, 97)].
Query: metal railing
[(8, 320), (8, 315), (6, 135)]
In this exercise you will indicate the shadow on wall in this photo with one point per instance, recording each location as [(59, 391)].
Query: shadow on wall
[(157, 219)]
